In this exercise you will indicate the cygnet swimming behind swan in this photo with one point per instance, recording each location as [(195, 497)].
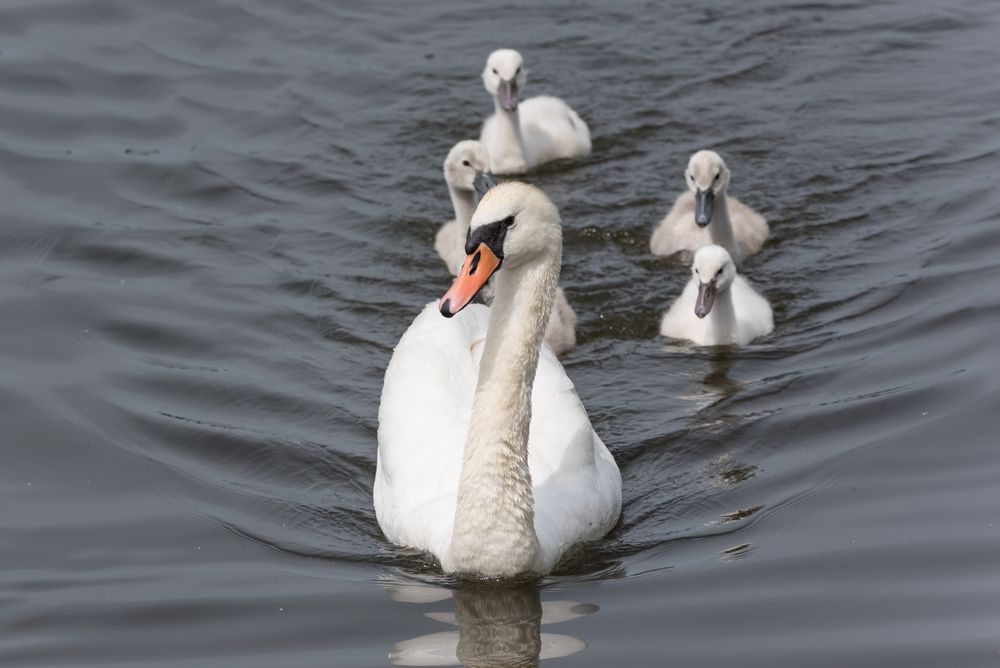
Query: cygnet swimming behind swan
[(705, 214), (467, 173), (466, 170), (522, 135), (718, 306)]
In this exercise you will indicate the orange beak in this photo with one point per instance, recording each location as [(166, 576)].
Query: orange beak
[(478, 268)]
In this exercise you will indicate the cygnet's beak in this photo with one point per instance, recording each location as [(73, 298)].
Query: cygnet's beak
[(479, 266), (706, 297), (703, 200), (483, 182), (507, 92)]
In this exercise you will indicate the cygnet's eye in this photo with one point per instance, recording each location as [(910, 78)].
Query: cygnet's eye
[(466, 163)]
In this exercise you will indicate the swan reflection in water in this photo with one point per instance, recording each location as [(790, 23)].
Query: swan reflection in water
[(500, 628)]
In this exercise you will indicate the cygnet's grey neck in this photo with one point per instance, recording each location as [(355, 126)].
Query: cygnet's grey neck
[(464, 203)]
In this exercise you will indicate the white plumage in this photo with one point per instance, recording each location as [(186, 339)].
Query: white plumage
[(464, 161), (424, 419), (442, 424), (733, 225), (738, 315), (522, 135)]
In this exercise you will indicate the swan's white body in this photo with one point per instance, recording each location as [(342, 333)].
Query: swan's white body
[(460, 167), (734, 226), (739, 314), (487, 459), (523, 135)]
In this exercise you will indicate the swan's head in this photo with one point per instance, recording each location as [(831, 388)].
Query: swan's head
[(467, 167), (706, 176), (504, 77), (514, 224), (715, 272)]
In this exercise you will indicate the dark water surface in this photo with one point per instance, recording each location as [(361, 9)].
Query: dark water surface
[(217, 220)]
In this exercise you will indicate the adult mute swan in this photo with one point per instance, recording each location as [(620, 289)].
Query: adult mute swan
[(718, 306), (466, 170), (522, 135), (705, 214), (486, 457)]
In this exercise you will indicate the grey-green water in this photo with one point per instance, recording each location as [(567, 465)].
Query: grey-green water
[(218, 219)]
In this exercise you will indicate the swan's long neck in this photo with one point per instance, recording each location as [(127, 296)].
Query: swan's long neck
[(722, 317), (511, 156), (721, 228), (494, 532), (464, 202)]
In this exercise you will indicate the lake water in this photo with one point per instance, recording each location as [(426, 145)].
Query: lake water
[(218, 218)]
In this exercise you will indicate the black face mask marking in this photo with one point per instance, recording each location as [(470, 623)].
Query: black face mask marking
[(491, 234)]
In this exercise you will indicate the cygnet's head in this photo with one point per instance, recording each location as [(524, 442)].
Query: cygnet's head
[(715, 272), (467, 167), (706, 176), (505, 77), (515, 223)]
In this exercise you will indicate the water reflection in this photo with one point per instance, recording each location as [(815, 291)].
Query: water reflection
[(497, 627), (717, 379)]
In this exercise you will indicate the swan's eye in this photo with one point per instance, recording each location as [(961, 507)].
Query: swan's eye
[(495, 71), (517, 71), (508, 221), (717, 177), (466, 163)]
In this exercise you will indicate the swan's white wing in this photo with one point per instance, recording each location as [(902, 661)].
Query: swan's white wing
[(552, 130), (560, 333), (678, 231), (750, 229), (753, 312), (449, 242), (423, 421), (577, 485), (680, 322)]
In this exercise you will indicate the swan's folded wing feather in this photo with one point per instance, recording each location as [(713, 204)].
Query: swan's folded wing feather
[(753, 312), (750, 229), (552, 130), (677, 231), (576, 481), (423, 421), (449, 242)]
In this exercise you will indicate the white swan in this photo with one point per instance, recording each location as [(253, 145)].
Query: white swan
[(486, 457), (522, 135), (466, 170), (705, 214), (718, 306)]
